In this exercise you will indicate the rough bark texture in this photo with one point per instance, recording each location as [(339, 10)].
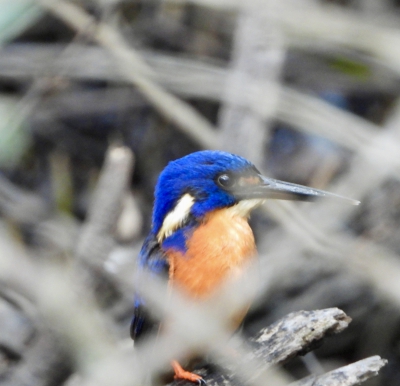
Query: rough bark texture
[(353, 374), (295, 334), (298, 333)]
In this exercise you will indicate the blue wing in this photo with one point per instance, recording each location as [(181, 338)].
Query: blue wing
[(152, 259)]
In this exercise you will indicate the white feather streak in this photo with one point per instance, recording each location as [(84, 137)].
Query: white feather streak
[(244, 207), (174, 219)]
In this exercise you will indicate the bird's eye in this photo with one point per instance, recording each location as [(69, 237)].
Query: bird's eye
[(226, 181)]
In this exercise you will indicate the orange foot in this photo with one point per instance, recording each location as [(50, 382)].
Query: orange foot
[(180, 373)]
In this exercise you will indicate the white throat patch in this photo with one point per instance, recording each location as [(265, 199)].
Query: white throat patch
[(244, 207), (175, 218)]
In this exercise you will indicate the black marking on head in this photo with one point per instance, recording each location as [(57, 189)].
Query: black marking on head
[(226, 181), (229, 181), (198, 195), (207, 162)]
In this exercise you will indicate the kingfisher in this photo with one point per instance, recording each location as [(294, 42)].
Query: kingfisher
[(200, 233)]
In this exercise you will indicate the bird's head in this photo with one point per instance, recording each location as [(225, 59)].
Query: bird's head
[(201, 182)]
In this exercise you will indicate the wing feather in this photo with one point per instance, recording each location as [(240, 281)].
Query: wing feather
[(153, 260)]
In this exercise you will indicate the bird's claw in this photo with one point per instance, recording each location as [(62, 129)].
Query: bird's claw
[(191, 377), (180, 373)]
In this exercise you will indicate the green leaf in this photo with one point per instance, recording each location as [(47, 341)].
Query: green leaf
[(14, 137), (16, 16), (351, 67)]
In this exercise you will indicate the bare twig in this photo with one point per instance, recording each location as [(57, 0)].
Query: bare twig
[(136, 71), (202, 80), (256, 65), (96, 240), (305, 22), (352, 374)]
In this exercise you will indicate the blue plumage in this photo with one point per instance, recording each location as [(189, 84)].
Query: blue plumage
[(177, 240), (208, 180), (153, 260), (196, 174)]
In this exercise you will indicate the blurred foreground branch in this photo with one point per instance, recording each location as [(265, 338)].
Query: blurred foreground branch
[(135, 70), (96, 241), (256, 64), (195, 79)]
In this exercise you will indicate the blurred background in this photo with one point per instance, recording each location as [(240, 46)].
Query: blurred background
[(97, 96)]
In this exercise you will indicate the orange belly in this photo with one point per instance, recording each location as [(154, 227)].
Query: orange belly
[(220, 247)]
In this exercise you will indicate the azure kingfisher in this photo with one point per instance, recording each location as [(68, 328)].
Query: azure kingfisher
[(200, 232)]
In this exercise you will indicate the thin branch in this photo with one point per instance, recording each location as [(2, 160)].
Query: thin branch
[(135, 71), (256, 64), (352, 374), (305, 22), (96, 240), (203, 80)]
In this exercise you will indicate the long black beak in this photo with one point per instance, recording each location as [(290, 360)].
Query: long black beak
[(281, 190)]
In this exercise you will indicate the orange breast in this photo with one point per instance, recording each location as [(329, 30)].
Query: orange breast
[(219, 247)]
